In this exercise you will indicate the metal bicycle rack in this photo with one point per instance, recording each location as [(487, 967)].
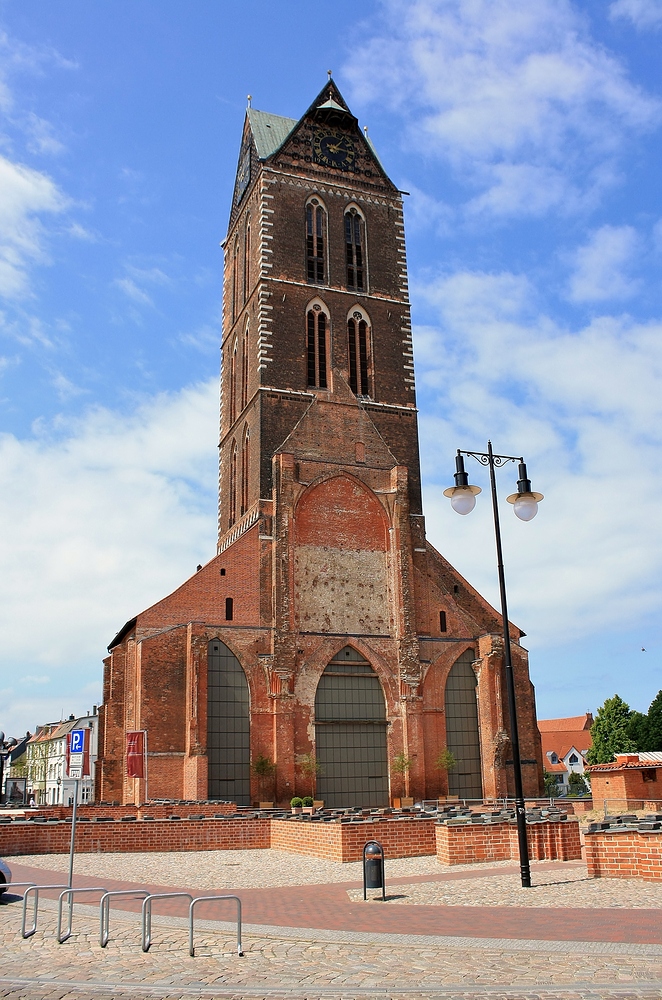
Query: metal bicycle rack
[(28, 932), (206, 899), (61, 938), (193, 901), (104, 910), (147, 913)]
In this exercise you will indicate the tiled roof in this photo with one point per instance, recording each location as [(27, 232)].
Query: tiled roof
[(575, 723), (645, 760), (554, 768), (562, 743), (269, 131)]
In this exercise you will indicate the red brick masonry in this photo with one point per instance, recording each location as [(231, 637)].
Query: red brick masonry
[(624, 854), (401, 838), (464, 843)]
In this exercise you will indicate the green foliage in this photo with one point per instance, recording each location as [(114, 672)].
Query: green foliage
[(296, 802), (655, 724), (401, 763), (310, 767), (576, 784), (307, 801), (263, 766), (552, 787), (610, 733), (445, 760), (638, 730)]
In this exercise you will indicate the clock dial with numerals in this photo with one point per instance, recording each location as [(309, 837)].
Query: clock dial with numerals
[(333, 149)]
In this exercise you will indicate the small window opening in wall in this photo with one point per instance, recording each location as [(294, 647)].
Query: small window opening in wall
[(649, 774), (573, 759), (229, 609), (222, 570), (456, 589), (442, 621)]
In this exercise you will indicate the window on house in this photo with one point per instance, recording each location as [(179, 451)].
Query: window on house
[(358, 333), (442, 621), (554, 758), (229, 609), (649, 774), (244, 472), (354, 249), (232, 515), (317, 321), (573, 759), (315, 249), (244, 369)]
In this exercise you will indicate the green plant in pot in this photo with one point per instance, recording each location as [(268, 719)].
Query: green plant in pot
[(264, 769), (308, 804), (296, 804)]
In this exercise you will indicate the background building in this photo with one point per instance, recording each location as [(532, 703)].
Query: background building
[(326, 624), (44, 763), (565, 743)]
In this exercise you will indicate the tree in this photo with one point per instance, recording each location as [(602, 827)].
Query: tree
[(401, 764), (576, 784), (655, 724), (445, 760), (552, 787), (263, 767), (310, 767), (638, 730), (609, 732)]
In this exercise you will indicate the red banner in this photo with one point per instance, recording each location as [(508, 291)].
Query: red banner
[(135, 754)]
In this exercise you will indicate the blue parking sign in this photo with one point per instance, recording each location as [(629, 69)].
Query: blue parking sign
[(77, 741)]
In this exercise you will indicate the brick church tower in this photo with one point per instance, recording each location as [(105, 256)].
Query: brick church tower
[(326, 629)]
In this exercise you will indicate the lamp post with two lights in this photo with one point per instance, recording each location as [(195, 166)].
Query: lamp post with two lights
[(525, 504)]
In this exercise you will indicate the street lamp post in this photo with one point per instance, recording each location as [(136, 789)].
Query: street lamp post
[(6, 747), (525, 504)]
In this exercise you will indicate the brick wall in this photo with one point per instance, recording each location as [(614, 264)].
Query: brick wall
[(624, 854), (464, 844)]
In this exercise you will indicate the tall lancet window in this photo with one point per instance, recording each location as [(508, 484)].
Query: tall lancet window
[(247, 261), (358, 338), (318, 337), (315, 242), (355, 249), (235, 279), (245, 458), (233, 384), (244, 368), (232, 515)]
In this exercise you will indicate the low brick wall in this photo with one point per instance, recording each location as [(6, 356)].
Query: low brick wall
[(155, 810), (464, 843), (400, 838), (624, 854), (158, 835)]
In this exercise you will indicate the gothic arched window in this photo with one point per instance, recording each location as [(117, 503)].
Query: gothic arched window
[(233, 383), (228, 726), (315, 241), (233, 484), (247, 261), (245, 457), (358, 347), (355, 249), (317, 343), (244, 369), (235, 279)]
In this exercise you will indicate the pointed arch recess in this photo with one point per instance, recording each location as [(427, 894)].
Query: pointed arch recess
[(462, 730), (359, 351), (318, 344), (316, 217), (228, 726)]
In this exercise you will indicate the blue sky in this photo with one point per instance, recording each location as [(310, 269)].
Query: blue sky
[(528, 136)]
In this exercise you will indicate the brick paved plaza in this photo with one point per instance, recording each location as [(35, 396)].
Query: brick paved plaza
[(308, 934)]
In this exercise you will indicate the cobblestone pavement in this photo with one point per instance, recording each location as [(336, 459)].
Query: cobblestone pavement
[(294, 963), (556, 888)]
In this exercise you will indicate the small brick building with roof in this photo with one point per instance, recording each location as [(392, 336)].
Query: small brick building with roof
[(326, 624)]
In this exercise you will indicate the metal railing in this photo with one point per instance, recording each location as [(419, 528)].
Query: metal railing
[(36, 889), (61, 938), (206, 899), (104, 910), (146, 929)]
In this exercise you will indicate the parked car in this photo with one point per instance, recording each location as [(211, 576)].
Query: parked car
[(5, 875)]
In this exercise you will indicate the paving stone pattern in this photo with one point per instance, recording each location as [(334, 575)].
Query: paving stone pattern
[(299, 963)]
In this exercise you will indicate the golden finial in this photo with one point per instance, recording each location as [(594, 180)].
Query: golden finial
[(329, 73), (249, 98), (365, 131)]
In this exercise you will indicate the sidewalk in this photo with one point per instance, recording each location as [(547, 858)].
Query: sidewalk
[(311, 941)]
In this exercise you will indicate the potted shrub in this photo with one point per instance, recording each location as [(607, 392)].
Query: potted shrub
[(310, 767), (445, 761), (296, 803), (308, 807)]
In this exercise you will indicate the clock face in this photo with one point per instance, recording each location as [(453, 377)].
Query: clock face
[(333, 149), (243, 174)]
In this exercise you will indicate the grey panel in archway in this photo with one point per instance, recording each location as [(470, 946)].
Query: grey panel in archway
[(350, 734), (228, 728), (462, 736)]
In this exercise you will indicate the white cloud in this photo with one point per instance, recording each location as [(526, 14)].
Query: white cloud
[(585, 409), (96, 523), (642, 13), (602, 265), (131, 289), (24, 194), (515, 95)]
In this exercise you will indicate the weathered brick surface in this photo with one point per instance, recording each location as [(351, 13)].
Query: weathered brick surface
[(328, 545), (464, 844), (624, 854)]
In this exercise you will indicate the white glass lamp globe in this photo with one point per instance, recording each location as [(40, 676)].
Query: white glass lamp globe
[(525, 505), (463, 500)]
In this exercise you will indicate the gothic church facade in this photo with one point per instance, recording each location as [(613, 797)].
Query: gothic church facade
[(326, 628)]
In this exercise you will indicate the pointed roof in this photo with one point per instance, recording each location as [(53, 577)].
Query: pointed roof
[(269, 131)]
